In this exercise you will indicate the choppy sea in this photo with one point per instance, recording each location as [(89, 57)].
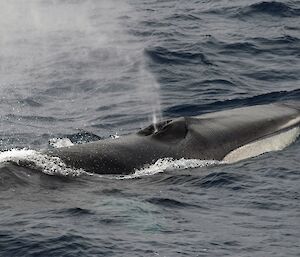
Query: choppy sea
[(72, 71)]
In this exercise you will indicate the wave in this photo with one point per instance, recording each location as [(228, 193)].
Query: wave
[(277, 46), (217, 179), (273, 75), (75, 211), (163, 55), (183, 17), (170, 203), (27, 244), (286, 40), (210, 177), (273, 8), (197, 109), (245, 47)]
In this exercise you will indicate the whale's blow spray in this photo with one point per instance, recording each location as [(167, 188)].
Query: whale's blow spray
[(85, 49)]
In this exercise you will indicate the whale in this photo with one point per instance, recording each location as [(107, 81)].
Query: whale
[(223, 135)]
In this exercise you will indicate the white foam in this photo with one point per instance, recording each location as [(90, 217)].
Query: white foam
[(36, 160), (60, 142), (165, 164), (269, 144)]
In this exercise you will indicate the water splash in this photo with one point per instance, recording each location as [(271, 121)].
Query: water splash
[(115, 136), (166, 164), (60, 142), (38, 161)]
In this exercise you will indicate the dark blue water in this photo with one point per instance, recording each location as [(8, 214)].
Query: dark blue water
[(77, 69)]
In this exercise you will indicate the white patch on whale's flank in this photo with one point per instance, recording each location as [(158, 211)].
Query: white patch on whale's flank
[(36, 160), (165, 164), (60, 142), (273, 143), (291, 123)]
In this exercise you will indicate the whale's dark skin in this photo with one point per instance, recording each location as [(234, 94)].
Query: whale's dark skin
[(210, 136)]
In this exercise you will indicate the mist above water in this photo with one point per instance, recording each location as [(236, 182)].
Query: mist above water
[(59, 53)]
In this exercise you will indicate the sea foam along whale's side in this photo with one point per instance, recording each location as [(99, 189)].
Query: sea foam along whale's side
[(212, 136)]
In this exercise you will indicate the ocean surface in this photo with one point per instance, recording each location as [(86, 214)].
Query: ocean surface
[(72, 71)]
